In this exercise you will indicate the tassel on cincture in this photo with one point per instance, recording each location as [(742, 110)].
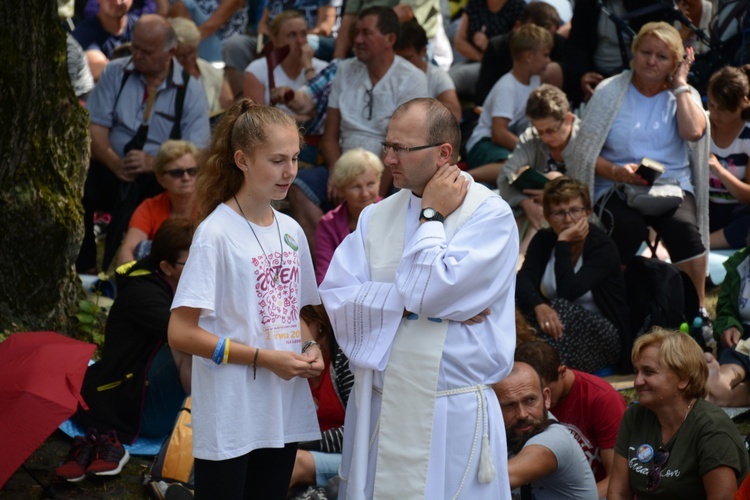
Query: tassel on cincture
[(486, 467)]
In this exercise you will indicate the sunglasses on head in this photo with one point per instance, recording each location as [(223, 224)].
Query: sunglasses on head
[(177, 173), (653, 479)]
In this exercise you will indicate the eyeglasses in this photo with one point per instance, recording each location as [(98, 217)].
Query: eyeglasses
[(575, 213), (177, 173), (368, 104), (653, 479), (548, 131), (399, 150)]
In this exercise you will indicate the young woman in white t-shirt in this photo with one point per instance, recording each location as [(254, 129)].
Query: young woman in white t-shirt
[(288, 28), (729, 179), (237, 311)]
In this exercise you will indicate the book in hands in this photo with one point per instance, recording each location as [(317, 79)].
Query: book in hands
[(528, 178), (649, 170)]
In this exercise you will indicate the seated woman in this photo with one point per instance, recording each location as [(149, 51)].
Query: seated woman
[(650, 112), (546, 146), (217, 89), (287, 29), (674, 443), (729, 181), (728, 383), (318, 461), (138, 386), (356, 177), (175, 169), (570, 287)]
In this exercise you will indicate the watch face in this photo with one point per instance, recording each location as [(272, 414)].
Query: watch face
[(428, 213)]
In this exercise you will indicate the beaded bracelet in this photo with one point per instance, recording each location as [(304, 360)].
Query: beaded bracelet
[(681, 90), (219, 351)]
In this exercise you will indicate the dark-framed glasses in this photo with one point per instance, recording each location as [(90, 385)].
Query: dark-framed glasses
[(653, 479), (399, 150), (177, 173), (575, 213)]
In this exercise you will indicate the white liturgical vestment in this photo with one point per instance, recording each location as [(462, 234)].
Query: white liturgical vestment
[(451, 280)]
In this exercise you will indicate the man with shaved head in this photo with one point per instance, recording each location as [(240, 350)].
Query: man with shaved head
[(544, 456), (138, 103)]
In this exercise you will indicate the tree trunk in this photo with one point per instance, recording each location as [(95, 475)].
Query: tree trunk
[(43, 160)]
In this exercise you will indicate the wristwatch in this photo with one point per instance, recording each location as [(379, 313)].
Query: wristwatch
[(308, 345), (430, 214)]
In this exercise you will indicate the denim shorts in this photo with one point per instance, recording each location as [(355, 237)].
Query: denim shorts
[(326, 467)]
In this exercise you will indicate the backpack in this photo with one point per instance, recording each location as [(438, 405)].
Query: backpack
[(174, 463), (658, 294)]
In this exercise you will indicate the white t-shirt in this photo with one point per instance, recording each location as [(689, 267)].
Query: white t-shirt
[(438, 81), (647, 127), (259, 68), (734, 158), (365, 109), (507, 99), (229, 279)]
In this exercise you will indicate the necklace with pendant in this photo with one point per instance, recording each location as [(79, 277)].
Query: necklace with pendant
[(281, 247)]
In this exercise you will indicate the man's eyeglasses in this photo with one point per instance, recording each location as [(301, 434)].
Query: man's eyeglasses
[(547, 131), (368, 104), (399, 150), (653, 479), (177, 173), (575, 214)]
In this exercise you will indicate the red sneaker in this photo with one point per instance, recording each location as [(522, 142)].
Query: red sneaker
[(110, 458), (79, 457)]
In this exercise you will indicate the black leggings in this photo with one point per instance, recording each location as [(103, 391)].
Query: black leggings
[(264, 474)]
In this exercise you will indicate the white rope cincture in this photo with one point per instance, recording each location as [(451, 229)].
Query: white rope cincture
[(486, 472)]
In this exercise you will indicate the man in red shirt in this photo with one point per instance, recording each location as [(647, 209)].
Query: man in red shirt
[(587, 405)]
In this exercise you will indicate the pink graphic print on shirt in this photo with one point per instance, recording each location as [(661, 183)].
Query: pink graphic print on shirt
[(278, 301)]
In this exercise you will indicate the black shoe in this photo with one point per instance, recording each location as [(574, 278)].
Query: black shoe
[(177, 491)]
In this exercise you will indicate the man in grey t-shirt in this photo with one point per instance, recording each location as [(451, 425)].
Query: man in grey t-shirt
[(543, 455)]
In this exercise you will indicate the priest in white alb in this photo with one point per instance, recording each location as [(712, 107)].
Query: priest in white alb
[(421, 296)]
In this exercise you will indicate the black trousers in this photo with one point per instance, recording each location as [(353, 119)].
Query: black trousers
[(264, 474)]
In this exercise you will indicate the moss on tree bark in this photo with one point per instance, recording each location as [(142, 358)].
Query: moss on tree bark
[(43, 162)]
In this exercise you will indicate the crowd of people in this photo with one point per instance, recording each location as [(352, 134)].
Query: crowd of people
[(324, 236)]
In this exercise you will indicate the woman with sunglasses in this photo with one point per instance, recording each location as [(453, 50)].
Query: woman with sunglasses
[(175, 169), (570, 287), (673, 443)]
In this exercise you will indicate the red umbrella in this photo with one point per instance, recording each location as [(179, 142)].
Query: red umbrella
[(40, 382)]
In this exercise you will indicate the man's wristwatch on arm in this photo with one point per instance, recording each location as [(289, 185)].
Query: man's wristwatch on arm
[(430, 214)]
